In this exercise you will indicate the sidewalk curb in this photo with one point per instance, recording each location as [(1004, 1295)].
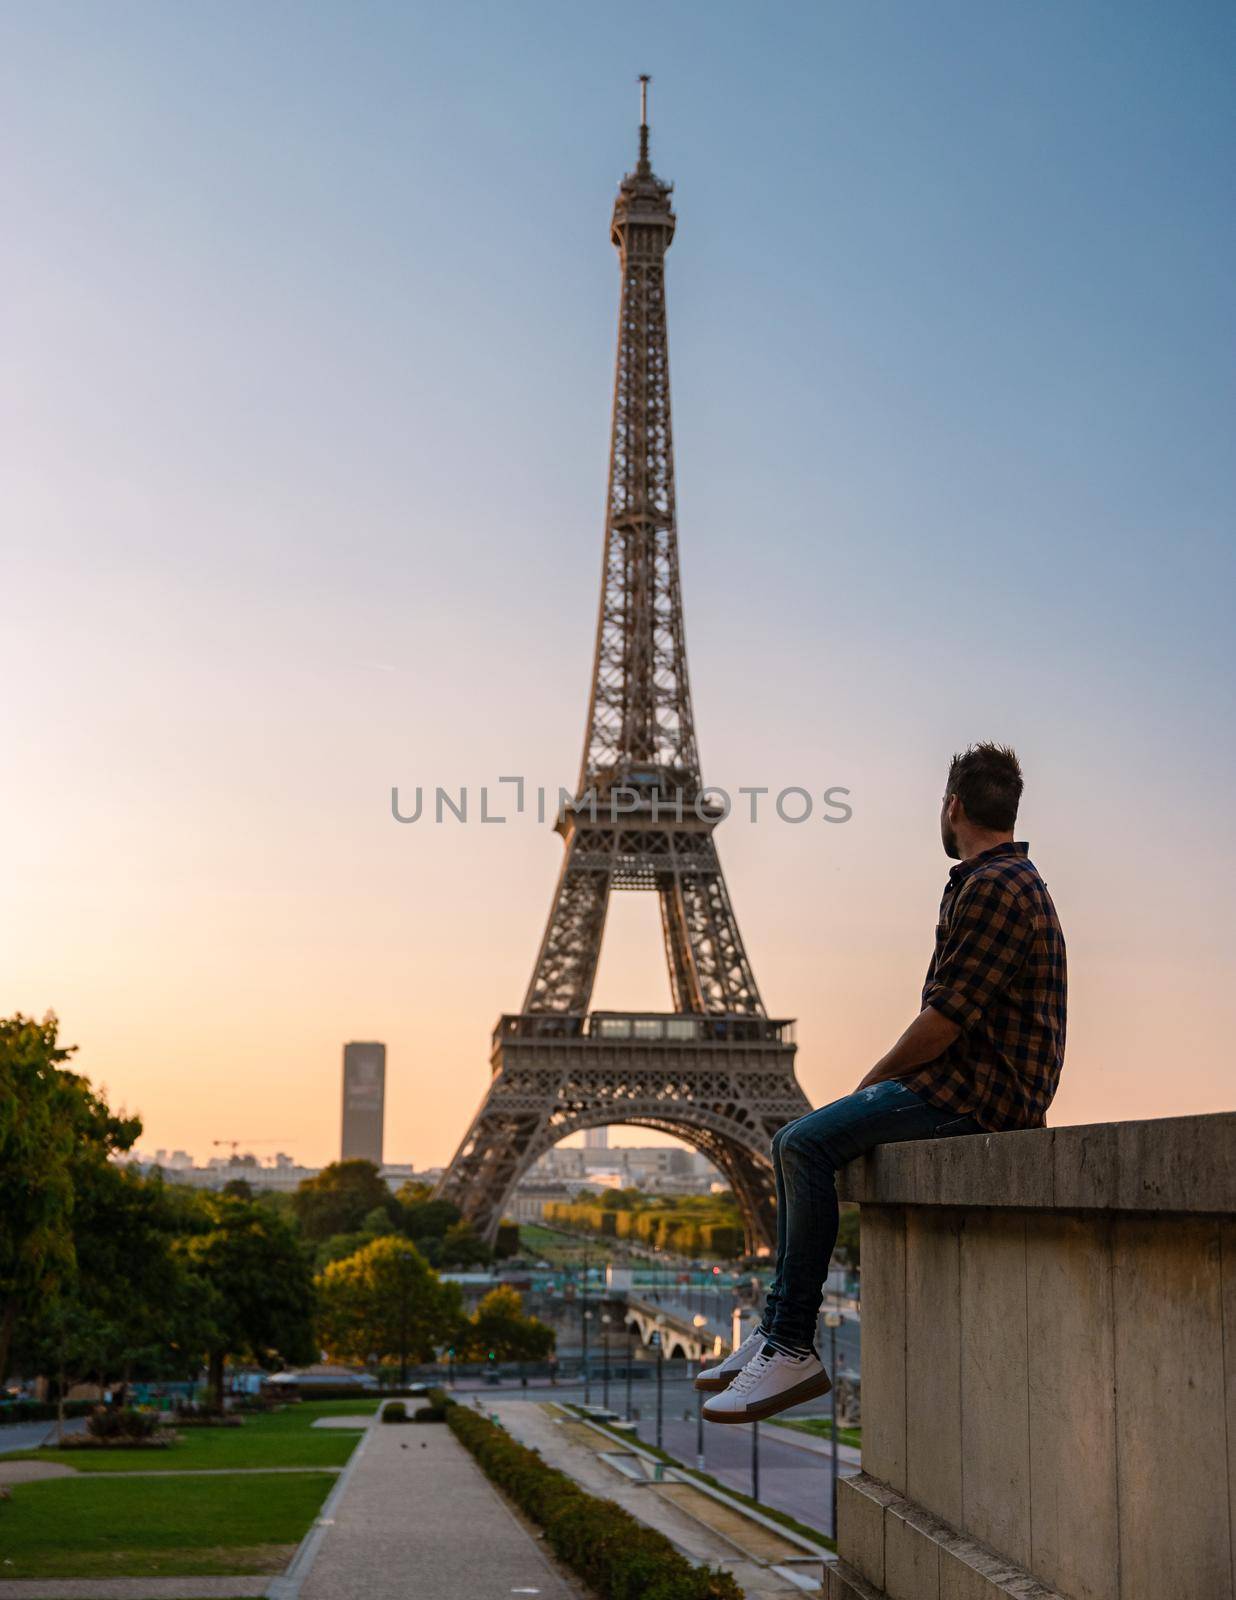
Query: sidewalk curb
[(287, 1585)]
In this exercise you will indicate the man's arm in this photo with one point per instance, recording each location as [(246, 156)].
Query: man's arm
[(928, 1036), (988, 939)]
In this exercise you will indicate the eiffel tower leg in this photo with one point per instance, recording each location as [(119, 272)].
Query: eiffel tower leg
[(755, 1190), (494, 1154), (706, 939), (684, 980), (566, 964)]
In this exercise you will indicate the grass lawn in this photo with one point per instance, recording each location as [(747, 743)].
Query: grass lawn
[(96, 1527), (542, 1244), (279, 1439), (822, 1428)]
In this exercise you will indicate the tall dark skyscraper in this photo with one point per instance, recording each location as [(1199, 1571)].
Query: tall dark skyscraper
[(364, 1100)]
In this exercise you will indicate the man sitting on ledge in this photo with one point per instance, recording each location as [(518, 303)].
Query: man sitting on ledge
[(983, 1055)]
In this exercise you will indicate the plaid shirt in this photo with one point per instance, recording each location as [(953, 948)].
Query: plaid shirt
[(998, 972)]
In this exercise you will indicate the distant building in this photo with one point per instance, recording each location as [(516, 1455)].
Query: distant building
[(658, 1169), (282, 1174), (364, 1099), (529, 1200), (596, 1139)]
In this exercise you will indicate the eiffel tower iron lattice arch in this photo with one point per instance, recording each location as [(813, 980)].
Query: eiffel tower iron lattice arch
[(716, 1072)]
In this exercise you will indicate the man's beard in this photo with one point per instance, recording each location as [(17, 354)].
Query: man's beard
[(948, 837)]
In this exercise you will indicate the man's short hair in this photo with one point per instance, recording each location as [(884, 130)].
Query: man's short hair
[(986, 778)]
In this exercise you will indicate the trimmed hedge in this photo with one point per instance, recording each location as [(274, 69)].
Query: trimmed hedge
[(394, 1411), (616, 1555)]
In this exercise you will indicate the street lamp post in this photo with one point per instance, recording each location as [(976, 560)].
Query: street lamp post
[(585, 1320), (605, 1320), (630, 1363), (700, 1322), (832, 1321), (659, 1340)]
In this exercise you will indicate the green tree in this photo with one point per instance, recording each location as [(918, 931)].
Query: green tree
[(387, 1302), (463, 1248), (128, 1306), (53, 1129), (340, 1198), (420, 1216), (499, 1328), (257, 1287), (506, 1244)]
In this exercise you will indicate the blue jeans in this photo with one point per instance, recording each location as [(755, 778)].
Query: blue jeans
[(806, 1154)]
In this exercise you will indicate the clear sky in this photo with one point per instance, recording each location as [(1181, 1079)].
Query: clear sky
[(309, 317)]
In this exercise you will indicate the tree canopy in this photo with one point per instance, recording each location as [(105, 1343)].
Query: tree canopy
[(387, 1302), (499, 1329), (54, 1133), (257, 1286), (340, 1198)]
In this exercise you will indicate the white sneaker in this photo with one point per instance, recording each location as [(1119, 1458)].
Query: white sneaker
[(770, 1382), (722, 1375)]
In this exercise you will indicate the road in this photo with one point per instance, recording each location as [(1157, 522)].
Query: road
[(30, 1435)]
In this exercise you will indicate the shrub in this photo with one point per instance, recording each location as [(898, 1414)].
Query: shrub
[(429, 1414), (163, 1440), (259, 1403), (394, 1411), (616, 1555), (122, 1423)]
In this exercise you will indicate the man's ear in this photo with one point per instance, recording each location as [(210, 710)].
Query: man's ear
[(956, 811)]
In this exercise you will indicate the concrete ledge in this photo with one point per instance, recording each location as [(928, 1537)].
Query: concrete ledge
[(845, 1584), (918, 1557), (1171, 1164)]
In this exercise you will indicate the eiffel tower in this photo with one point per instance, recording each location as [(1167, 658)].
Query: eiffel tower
[(716, 1072)]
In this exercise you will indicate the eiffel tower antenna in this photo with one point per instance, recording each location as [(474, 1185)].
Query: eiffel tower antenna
[(716, 1071)]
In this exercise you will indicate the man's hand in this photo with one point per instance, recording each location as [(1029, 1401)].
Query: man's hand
[(928, 1036)]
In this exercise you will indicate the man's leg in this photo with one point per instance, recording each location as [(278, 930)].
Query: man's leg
[(773, 1296), (806, 1155), (810, 1152), (714, 1378)]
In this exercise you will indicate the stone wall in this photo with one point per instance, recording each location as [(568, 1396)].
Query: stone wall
[(1049, 1366)]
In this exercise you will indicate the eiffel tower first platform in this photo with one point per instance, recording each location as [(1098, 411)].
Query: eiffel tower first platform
[(716, 1072)]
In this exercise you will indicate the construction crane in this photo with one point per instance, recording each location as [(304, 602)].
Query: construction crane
[(235, 1144)]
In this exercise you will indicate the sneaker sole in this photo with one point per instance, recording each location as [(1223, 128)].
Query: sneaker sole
[(715, 1385), (808, 1389)]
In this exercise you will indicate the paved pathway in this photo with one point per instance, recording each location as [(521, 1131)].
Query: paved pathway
[(416, 1519)]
